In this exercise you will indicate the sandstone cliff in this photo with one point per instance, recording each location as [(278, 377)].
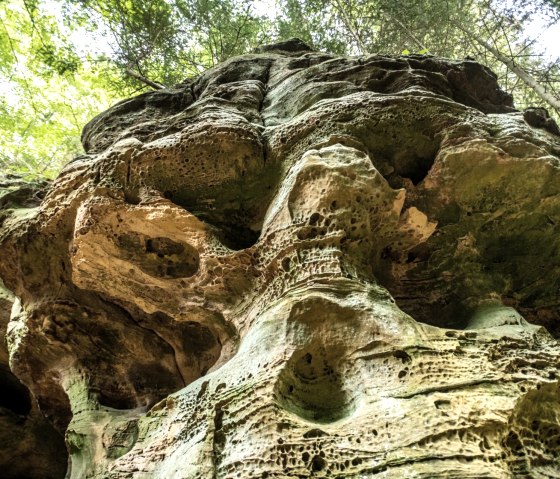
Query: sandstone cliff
[(296, 265)]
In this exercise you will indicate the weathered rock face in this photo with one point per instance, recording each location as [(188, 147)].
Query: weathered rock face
[(299, 265), (29, 446)]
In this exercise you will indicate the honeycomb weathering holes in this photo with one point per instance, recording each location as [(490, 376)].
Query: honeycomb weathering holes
[(314, 388)]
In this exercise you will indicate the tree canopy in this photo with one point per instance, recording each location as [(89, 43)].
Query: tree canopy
[(63, 61)]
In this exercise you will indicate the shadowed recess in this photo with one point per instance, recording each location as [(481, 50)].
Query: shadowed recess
[(158, 256), (311, 387), (14, 396)]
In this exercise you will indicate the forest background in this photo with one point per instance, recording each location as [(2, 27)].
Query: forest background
[(64, 61)]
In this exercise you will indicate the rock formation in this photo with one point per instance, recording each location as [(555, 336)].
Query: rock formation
[(30, 447), (298, 265)]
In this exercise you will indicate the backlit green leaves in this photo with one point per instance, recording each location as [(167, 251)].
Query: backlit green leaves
[(47, 93)]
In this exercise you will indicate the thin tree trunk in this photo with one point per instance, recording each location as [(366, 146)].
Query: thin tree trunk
[(347, 20)]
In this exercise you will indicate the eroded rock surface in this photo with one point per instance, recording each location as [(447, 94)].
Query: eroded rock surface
[(299, 265), (29, 446)]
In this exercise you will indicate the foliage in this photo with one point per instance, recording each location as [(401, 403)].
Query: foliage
[(47, 92), (160, 42), (313, 22)]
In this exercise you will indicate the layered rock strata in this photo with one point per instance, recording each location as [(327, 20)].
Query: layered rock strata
[(299, 265)]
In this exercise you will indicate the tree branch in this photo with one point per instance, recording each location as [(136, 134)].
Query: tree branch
[(147, 81)]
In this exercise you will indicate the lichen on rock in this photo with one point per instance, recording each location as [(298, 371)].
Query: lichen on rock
[(299, 265)]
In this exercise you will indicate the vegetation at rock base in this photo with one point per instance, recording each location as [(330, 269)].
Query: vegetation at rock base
[(64, 61)]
